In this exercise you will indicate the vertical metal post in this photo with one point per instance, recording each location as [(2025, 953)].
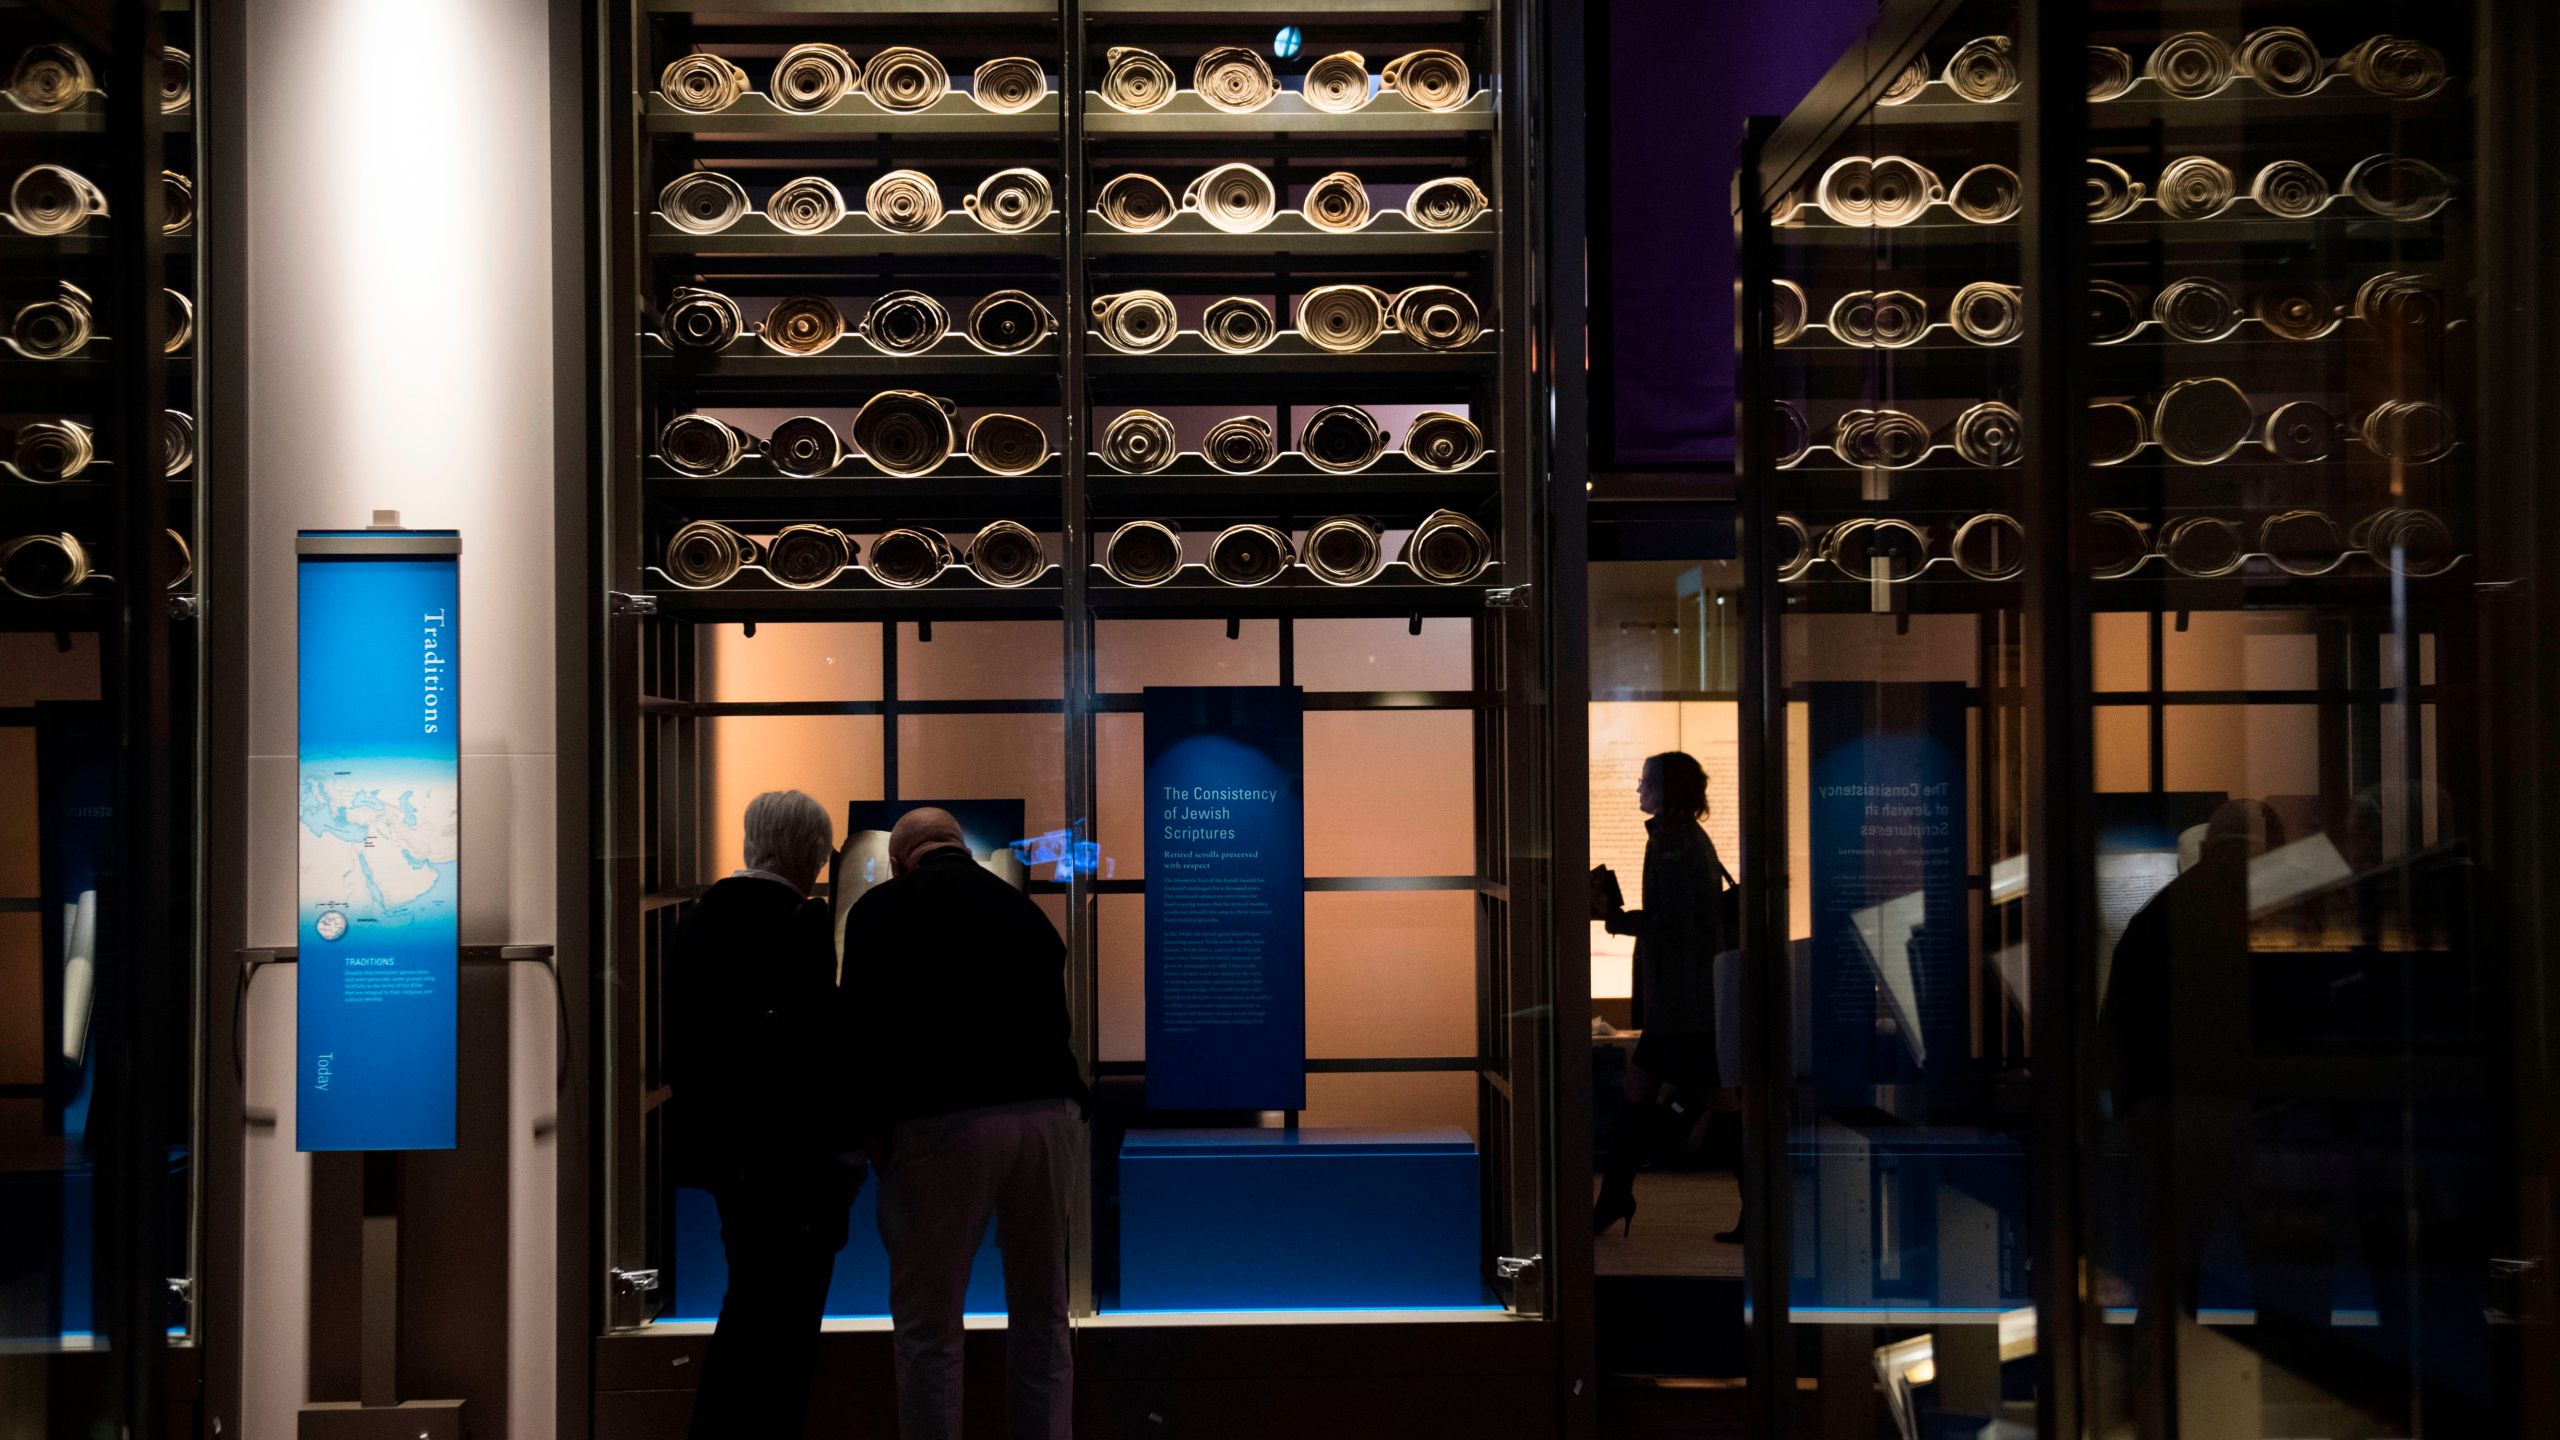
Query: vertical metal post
[(2054, 261), (1766, 993), (1076, 613), (138, 1010), (1552, 70), (378, 1356)]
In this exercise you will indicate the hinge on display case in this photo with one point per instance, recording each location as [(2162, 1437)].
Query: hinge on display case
[(183, 1288), (1507, 597), (634, 1282), (185, 607), (1512, 1267), (625, 603)]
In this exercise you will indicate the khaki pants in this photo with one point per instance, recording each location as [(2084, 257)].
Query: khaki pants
[(947, 1175)]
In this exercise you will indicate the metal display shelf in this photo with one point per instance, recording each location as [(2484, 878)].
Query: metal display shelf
[(1365, 9), (945, 11), (1295, 593), (839, 499), (855, 596), (856, 234), (2243, 221), (90, 239), (1388, 233), (747, 357), (86, 119), (1187, 113), (1293, 468), (1274, 497), (1290, 353), (955, 113), (855, 470)]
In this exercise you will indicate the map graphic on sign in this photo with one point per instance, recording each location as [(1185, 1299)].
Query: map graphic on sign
[(378, 854)]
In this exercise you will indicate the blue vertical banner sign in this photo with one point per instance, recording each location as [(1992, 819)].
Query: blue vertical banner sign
[(1226, 858), (1890, 926), (380, 824)]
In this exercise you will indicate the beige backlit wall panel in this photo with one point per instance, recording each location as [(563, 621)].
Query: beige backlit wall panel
[(1374, 654), (2252, 751), (1120, 766), (21, 864), (791, 662), (1390, 792), (987, 757), (21, 1004), (833, 757), (1392, 1102), (33, 667), (2123, 739), (1391, 974), (2120, 650), (1130, 655), (2241, 649), (1388, 975), (1120, 954), (982, 660)]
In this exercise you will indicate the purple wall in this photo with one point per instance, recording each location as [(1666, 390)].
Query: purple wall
[(1683, 76)]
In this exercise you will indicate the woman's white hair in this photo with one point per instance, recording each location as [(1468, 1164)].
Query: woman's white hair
[(789, 833)]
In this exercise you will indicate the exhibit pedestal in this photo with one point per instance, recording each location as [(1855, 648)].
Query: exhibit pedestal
[(1278, 1219)]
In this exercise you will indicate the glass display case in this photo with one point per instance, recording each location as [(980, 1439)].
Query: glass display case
[(2145, 1009), (1883, 715), (978, 372), (102, 479)]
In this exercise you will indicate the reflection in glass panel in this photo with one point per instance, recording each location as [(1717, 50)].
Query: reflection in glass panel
[(1893, 448), (2291, 1195), (56, 774)]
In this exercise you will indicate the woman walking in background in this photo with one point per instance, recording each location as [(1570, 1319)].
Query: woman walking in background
[(1677, 935)]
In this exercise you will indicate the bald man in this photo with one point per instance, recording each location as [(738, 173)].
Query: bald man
[(958, 997)]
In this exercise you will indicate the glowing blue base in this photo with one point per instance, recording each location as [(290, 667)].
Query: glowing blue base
[(1284, 1220)]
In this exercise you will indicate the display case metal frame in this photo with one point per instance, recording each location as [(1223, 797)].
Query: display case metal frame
[(135, 1370), (2060, 601), (1525, 876)]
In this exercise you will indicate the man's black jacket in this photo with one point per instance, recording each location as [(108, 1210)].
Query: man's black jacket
[(757, 1067), (957, 989)]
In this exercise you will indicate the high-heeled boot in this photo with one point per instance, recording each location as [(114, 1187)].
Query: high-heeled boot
[(1639, 1131)]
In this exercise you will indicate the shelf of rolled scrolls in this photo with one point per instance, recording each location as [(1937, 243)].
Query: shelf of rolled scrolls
[(944, 323)]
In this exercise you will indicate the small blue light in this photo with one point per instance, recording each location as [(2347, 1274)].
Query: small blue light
[(1286, 44)]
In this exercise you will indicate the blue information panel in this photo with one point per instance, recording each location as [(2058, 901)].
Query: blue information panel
[(1226, 899), (380, 828), (1888, 885)]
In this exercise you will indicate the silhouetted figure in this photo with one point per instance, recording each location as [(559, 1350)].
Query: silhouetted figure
[(1677, 934), (759, 1116), (958, 988), (2177, 1015)]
